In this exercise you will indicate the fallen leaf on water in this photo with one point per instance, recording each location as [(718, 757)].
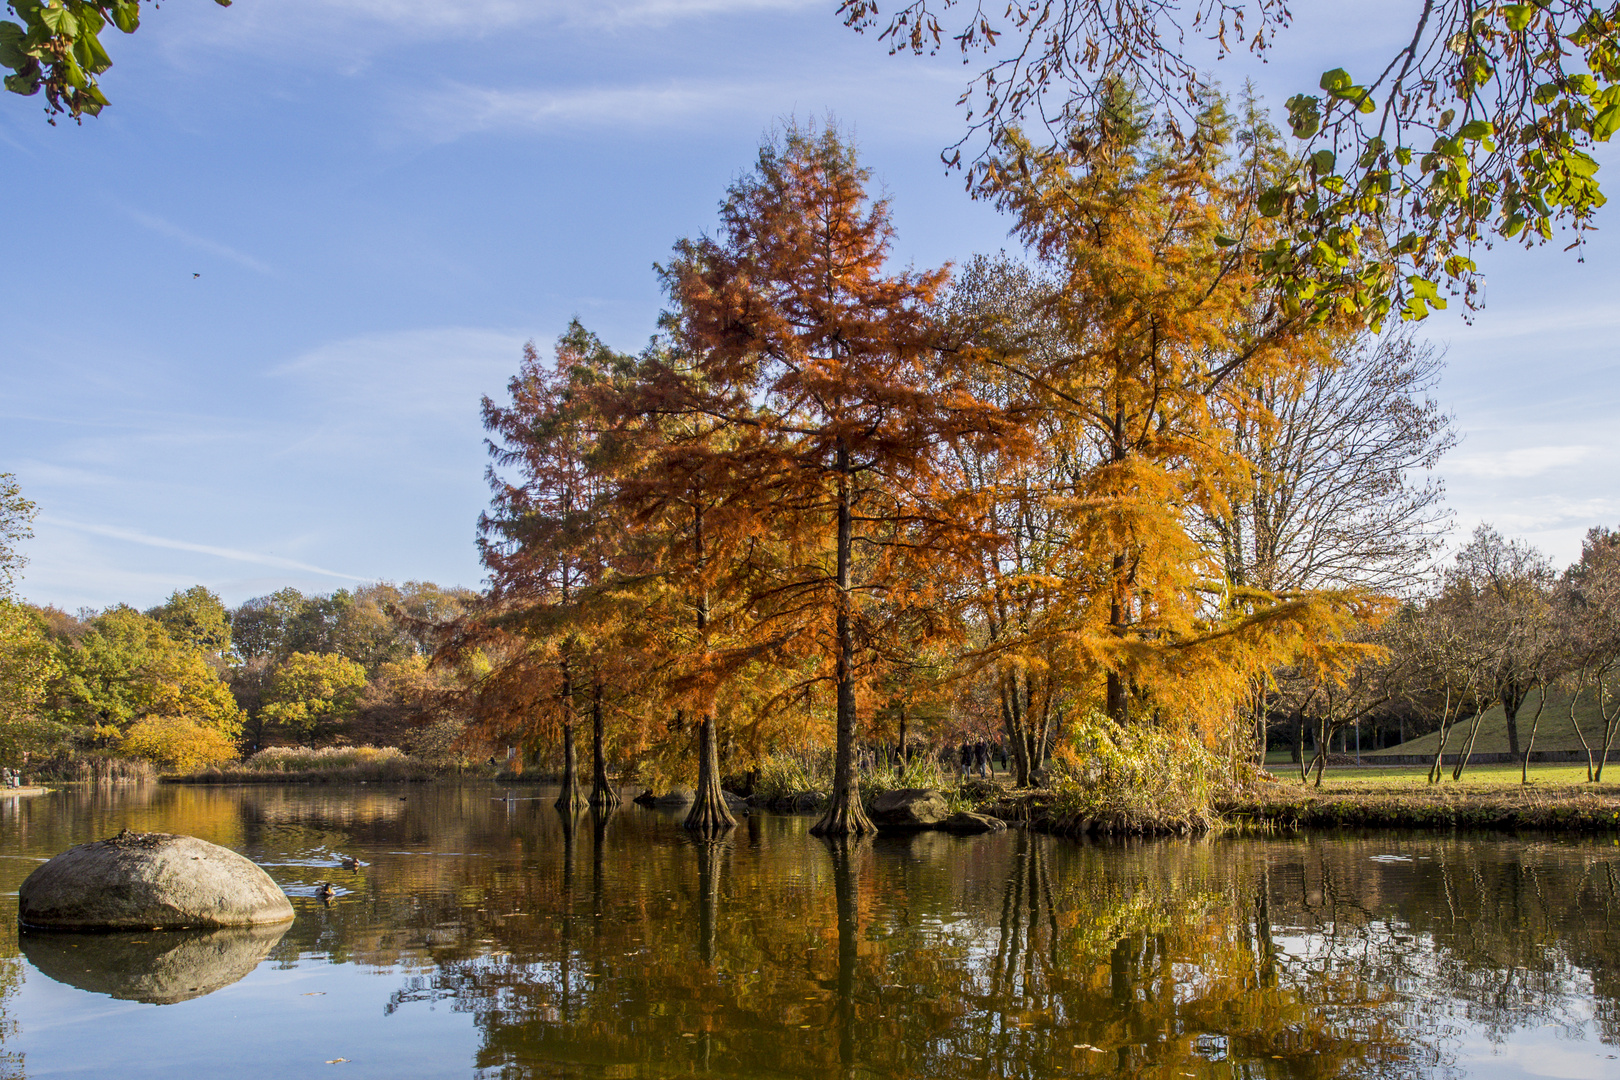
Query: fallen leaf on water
[(1088, 1046)]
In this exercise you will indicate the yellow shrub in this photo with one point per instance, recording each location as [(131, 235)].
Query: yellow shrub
[(175, 744)]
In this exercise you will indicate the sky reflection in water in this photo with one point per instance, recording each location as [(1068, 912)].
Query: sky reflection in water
[(481, 937)]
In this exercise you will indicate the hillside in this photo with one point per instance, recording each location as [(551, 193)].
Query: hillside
[(1555, 732)]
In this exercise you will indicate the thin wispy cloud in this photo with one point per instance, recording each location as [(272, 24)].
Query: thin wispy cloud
[(233, 554), (200, 243), (459, 110), (1518, 464)]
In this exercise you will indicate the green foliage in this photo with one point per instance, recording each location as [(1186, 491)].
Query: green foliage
[(57, 48), (16, 513), (1139, 777), (785, 774), (124, 667), (28, 663), (197, 618), (312, 696)]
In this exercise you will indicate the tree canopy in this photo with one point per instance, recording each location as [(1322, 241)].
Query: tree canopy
[(57, 48), (1480, 125)]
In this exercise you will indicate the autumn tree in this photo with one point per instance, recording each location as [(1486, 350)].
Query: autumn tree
[(28, 663), (548, 534), (197, 617), (825, 363), (313, 696), (1590, 621), (1159, 328), (1505, 589)]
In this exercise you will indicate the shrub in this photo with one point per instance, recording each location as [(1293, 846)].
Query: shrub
[(175, 744), (1141, 777)]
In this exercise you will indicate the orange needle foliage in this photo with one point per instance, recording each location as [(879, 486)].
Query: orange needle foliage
[(826, 364), (1155, 316)]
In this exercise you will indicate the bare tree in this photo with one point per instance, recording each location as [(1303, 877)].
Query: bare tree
[(1592, 638), (1504, 590), (1336, 496)]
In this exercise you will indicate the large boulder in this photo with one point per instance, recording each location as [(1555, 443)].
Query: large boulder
[(150, 881), (908, 808), (966, 824), (159, 969)]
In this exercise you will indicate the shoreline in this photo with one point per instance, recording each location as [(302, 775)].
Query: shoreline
[(1279, 806)]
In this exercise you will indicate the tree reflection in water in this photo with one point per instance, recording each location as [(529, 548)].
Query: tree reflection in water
[(768, 953), (1024, 956)]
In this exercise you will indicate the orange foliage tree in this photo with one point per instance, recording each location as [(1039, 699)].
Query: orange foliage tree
[(825, 364)]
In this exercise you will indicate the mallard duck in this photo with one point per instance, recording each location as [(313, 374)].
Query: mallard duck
[(349, 862), (326, 892)]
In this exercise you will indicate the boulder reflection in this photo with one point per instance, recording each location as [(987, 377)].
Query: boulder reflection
[(157, 967)]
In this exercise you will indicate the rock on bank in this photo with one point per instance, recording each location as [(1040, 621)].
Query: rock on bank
[(150, 881)]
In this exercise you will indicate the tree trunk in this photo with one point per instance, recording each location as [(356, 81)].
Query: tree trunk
[(1510, 712), (1013, 721), (570, 800), (1468, 747), (603, 794), (1530, 744), (709, 812), (845, 815)]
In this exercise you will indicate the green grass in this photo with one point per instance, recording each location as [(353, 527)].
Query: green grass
[(1555, 732), (1390, 779)]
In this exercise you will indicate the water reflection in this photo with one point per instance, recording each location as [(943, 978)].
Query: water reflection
[(157, 967), (614, 944)]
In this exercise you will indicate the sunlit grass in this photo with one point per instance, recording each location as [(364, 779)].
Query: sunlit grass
[(1476, 778)]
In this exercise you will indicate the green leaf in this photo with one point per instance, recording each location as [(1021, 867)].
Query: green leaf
[(1476, 129), (1271, 201), (1322, 161), (1518, 15), (25, 85), (59, 20), (1304, 115), (1367, 105), (12, 54), (1606, 123), (1403, 154), (1336, 81), (126, 16), (1224, 241)]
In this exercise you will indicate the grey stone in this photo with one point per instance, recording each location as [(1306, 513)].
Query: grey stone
[(908, 808), (965, 823), (159, 969), (150, 881)]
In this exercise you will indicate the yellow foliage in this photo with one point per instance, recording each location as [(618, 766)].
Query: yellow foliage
[(176, 744)]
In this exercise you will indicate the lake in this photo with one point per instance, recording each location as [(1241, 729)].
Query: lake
[(483, 936)]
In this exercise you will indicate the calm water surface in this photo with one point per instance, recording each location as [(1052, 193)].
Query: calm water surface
[(489, 938)]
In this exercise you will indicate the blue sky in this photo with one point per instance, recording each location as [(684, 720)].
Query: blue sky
[(386, 198)]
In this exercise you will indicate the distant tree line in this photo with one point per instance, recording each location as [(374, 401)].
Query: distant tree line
[(1497, 626), (190, 683)]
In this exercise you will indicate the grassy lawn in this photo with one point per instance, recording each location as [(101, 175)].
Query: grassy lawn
[(1478, 779)]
